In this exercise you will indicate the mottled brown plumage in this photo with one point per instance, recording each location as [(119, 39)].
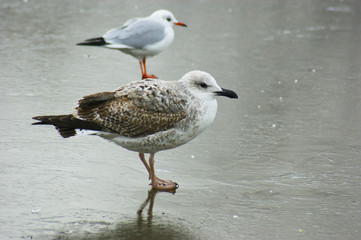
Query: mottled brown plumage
[(122, 115)]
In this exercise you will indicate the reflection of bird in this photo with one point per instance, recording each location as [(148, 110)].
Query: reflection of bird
[(140, 37), (143, 226), (147, 116)]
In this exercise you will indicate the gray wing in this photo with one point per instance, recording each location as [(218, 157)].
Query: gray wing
[(129, 21), (137, 33)]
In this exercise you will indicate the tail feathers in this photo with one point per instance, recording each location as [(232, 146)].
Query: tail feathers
[(93, 42), (66, 124)]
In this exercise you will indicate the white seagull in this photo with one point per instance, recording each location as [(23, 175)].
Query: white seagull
[(147, 116), (140, 37)]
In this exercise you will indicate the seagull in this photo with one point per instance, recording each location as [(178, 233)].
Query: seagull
[(146, 116), (140, 37)]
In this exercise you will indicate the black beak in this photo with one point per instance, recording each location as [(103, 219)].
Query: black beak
[(226, 93)]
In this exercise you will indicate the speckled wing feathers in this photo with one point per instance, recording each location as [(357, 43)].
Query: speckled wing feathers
[(138, 109), (151, 95)]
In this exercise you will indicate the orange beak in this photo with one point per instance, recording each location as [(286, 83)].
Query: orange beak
[(180, 24)]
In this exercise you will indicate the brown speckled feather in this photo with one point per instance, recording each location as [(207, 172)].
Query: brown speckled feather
[(138, 109)]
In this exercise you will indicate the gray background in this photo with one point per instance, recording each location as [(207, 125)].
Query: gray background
[(281, 162)]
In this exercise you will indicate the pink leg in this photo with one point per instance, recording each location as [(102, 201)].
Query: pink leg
[(142, 158), (157, 183)]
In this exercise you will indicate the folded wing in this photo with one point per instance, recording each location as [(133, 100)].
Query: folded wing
[(132, 111)]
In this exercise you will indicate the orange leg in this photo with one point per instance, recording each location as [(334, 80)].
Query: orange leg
[(143, 68)]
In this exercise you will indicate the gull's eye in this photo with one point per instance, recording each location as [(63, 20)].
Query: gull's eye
[(203, 85), (169, 19)]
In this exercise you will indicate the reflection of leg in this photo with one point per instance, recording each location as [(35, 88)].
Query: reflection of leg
[(150, 200), (142, 158), (139, 212), (151, 195), (157, 183)]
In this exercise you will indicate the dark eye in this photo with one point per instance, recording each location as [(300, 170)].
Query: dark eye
[(203, 85), (169, 19)]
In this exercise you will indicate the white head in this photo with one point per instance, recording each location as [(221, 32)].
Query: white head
[(167, 17), (203, 85)]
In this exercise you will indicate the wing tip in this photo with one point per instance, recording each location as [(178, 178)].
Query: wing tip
[(99, 41)]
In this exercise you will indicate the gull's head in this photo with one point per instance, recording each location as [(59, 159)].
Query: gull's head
[(167, 18), (203, 85)]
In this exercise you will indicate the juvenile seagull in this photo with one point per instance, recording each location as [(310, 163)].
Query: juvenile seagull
[(147, 116), (140, 37)]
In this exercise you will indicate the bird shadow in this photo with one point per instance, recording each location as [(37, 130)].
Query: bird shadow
[(144, 226)]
